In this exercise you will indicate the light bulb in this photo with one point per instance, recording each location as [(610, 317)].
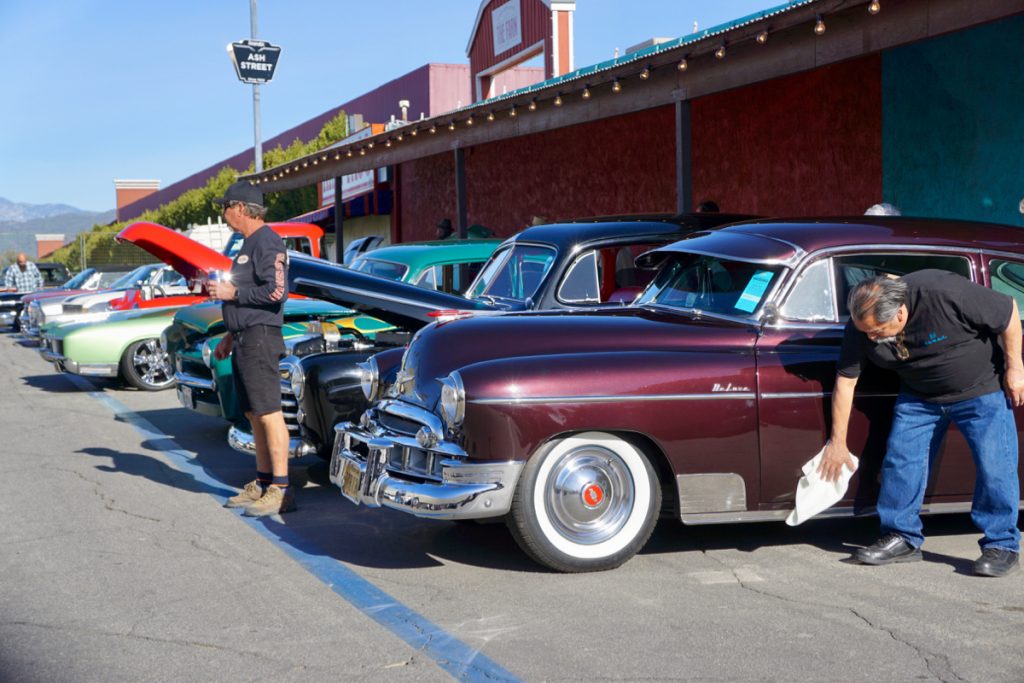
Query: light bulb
[(558, 100), (586, 92), (762, 37), (819, 26), (616, 86), (874, 7), (683, 64), (645, 74), (720, 52)]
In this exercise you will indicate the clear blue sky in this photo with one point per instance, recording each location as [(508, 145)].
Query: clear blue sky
[(104, 89)]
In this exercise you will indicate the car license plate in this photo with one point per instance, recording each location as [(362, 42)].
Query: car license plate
[(351, 480), (185, 396)]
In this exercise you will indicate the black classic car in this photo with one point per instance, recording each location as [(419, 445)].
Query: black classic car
[(582, 264)]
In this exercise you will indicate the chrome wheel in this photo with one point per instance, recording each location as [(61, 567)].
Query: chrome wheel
[(146, 365), (590, 494)]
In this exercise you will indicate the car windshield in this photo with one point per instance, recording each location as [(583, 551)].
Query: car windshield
[(514, 273), (388, 269), (133, 278), (711, 284), (78, 280)]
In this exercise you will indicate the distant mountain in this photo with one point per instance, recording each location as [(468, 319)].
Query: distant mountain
[(20, 223), (16, 212)]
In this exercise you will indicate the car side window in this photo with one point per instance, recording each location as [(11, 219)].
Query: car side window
[(1008, 278), (811, 299), (852, 268), (582, 284)]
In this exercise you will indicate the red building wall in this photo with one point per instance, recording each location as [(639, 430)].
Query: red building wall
[(619, 165), (805, 144), (426, 192)]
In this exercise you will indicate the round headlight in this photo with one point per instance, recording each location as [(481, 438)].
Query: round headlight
[(291, 372), (453, 400), (208, 347), (369, 379)]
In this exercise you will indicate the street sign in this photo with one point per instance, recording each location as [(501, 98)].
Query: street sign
[(254, 60)]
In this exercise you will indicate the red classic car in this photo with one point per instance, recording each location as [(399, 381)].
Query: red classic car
[(707, 394)]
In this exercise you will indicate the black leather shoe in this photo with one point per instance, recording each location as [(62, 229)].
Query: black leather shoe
[(889, 549), (996, 562)]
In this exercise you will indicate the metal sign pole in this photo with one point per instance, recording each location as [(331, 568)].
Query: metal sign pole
[(257, 145)]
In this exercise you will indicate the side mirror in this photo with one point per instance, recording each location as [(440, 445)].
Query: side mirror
[(771, 314)]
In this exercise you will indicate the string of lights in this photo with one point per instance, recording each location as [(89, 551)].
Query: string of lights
[(615, 84)]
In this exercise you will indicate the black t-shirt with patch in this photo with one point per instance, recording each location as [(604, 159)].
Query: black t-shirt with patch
[(951, 334), (260, 273)]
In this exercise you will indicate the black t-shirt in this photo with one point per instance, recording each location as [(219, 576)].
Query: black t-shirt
[(260, 273), (951, 334)]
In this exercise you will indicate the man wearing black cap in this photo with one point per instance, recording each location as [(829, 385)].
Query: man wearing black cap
[(253, 307)]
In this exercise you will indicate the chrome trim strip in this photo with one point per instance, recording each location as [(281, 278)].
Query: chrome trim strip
[(195, 382), (718, 396), (776, 515), (819, 394)]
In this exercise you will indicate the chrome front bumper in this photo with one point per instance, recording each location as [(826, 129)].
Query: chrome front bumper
[(85, 369), (464, 490), (243, 442)]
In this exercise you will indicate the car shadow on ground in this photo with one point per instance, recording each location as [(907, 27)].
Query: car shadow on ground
[(840, 537), (56, 383)]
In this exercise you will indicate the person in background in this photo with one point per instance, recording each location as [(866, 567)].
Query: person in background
[(253, 309), (22, 276), (444, 229)]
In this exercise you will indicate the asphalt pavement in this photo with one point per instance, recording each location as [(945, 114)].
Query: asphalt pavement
[(118, 563)]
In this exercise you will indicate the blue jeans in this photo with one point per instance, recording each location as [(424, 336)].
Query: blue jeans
[(917, 432)]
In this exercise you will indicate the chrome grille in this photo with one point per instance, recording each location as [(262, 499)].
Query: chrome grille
[(290, 407), (399, 424), (404, 457)]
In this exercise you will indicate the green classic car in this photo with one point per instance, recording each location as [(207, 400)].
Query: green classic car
[(124, 345), (205, 384)]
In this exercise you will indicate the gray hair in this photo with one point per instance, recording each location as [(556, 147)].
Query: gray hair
[(880, 297), (254, 210)]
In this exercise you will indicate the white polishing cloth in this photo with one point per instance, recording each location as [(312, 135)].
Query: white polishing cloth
[(814, 494)]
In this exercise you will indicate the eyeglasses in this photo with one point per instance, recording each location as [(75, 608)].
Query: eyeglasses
[(225, 207), (900, 347)]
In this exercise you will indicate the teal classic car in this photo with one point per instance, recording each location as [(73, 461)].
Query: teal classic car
[(205, 384), (444, 265)]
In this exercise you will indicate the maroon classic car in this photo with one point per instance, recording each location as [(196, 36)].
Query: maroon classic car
[(708, 393)]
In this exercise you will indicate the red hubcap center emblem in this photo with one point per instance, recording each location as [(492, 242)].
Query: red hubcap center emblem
[(593, 495)]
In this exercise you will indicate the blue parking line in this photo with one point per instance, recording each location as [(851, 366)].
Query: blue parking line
[(448, 652)]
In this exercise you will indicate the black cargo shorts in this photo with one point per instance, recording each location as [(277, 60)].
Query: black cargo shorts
[(254, 360)]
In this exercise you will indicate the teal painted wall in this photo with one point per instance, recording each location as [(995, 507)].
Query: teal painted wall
[(953, 125)]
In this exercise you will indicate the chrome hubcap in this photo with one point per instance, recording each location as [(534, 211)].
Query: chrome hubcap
[(589, 495), (152, 364)]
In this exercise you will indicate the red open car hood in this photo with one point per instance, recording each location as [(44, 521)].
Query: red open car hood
[(185, 255)]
